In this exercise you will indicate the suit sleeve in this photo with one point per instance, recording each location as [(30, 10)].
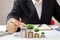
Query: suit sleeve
[(16, 11), (57, 11)]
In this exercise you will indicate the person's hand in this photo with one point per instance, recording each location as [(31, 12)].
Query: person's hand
[(13, 24)]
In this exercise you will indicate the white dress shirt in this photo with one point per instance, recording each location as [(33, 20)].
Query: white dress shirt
[(38, 7)]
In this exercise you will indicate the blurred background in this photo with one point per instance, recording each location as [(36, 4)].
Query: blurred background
[(5, 8)]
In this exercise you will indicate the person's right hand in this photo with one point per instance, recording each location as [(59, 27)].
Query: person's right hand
[(12, 25)]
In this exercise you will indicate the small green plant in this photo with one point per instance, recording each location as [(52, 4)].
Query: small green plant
[(36, 30), (42, 33), (30, 26)]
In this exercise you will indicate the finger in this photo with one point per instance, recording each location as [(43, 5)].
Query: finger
[(15, 21), (10, 30), (12, 25), (22, 25)]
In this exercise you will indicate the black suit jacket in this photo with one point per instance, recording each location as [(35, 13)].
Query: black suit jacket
[(27, 11)]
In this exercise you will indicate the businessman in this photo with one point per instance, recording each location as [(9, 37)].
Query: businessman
[(33, 12)]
